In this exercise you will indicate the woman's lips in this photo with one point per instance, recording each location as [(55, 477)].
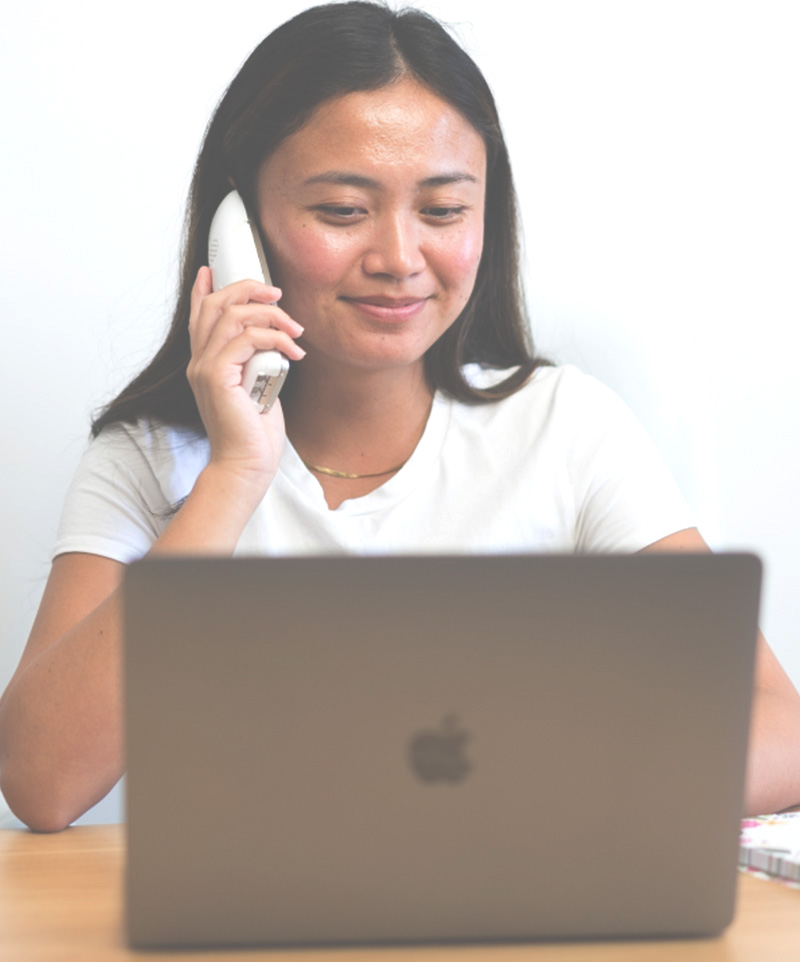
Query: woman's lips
[(388, 308)]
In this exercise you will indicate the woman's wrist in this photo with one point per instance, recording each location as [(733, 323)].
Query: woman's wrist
[(215, 513)]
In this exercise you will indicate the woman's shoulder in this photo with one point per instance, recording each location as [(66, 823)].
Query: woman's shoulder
[(559, 408), (126, 486), (150, 438), (564, 386), (145, 451)]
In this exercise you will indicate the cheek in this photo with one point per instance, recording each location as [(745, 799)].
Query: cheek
[(461, 258), (303, 258)]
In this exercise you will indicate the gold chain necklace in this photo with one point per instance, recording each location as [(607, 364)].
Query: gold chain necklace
[(331, 472)]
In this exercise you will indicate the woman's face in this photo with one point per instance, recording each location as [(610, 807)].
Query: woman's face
[(373, 215)]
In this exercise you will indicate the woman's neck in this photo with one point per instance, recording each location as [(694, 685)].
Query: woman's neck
[(361, 423)]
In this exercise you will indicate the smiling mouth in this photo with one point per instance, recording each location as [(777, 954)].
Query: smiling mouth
[(388, 308)]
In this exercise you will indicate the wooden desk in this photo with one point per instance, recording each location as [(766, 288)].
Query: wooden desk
[(61, 900)]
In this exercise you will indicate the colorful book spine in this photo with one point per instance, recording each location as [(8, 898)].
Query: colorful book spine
[(770, 845)]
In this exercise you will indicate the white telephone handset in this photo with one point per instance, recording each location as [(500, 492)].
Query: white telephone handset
[(235, 253)]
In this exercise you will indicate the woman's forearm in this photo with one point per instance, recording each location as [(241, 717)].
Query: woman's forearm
[(61, 743), (61, 731), (773, 769)]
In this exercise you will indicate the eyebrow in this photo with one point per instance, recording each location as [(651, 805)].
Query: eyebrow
[(357, 180)]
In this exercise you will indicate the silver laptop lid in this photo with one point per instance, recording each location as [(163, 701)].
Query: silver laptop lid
[(404, 749)]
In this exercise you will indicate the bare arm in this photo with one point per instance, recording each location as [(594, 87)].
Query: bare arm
[(773, 768), (60, 737), (61, 740)]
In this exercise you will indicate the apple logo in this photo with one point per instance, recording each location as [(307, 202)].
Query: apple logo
[(437, 755)]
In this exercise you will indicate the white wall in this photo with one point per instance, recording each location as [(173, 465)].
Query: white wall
[(656, 154)]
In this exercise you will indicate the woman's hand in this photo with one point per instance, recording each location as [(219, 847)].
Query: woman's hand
[(61, 741), (226, 328)]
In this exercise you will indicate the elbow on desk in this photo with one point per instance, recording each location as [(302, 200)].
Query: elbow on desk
[(41, 811)]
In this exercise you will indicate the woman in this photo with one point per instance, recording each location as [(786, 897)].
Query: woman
[(416, 416)]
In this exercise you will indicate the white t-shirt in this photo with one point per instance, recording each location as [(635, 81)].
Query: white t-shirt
[(560, 466)]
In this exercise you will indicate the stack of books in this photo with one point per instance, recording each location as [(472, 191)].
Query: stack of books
[(770, 845)]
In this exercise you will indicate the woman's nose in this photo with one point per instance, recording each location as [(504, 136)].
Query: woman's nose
[(395, 249)]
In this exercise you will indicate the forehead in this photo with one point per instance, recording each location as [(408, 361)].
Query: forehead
[(401, 129)]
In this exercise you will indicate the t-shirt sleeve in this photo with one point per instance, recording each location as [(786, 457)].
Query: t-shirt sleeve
[(124, 492), (625, 496)]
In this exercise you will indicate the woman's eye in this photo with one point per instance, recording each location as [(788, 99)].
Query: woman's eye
[(341, 213), (444, 213)]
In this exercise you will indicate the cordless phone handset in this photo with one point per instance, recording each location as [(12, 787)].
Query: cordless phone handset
[(235, 253)]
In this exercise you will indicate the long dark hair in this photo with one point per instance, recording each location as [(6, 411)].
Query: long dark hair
[(328, 51)]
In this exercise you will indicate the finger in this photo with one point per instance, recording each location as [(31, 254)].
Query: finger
[(232, 303), (240, 349), (263, 315), (240, 292), (239, 317), (224, 369), (237, 350), (200, 290)]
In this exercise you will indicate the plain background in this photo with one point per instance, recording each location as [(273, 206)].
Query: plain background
[(656, 151)]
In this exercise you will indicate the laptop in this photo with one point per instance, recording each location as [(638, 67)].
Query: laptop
[(341, 750)]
